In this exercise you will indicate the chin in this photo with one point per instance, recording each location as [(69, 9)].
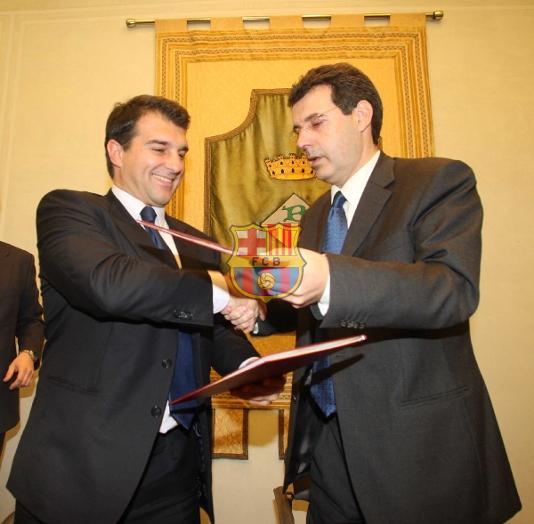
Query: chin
[(161, 202), (325, 177)]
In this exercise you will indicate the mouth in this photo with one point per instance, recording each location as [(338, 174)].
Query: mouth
[(165, 180), (314, 160)]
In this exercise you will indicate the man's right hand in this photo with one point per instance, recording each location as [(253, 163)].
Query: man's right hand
[(242, 311)]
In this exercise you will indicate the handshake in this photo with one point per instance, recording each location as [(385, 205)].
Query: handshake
[(302, 285), (242, 311)]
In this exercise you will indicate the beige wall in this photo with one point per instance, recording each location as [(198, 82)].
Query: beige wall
[(63, 66)]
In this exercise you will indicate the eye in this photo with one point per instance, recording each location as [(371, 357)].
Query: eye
[(316, 123)]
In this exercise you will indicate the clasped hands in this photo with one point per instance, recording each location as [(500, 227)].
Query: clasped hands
[(243, 312)]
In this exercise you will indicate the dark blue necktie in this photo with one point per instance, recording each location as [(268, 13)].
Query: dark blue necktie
[(322, 389), (148, 214), (183, 380)]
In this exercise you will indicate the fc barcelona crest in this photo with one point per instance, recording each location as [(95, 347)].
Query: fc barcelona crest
[(266, 262)]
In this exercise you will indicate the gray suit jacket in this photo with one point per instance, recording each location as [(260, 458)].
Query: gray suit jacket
[(420, 437), (112, 304), (20, 320)]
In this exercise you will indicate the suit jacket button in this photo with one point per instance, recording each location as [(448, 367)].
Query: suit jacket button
[(166, 363), (182, 315), (156, 412)]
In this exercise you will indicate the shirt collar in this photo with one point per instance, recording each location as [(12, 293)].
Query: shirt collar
[(354, 186), (134, 206)]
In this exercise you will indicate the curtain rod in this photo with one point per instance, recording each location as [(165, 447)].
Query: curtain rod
[(132, 22)]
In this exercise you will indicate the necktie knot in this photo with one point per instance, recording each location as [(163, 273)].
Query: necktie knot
[(339, 200), (148, 214)]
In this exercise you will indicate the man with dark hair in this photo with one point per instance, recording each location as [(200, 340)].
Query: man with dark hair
[(21, 330), (400, 430), (123, 119), (131, 322)]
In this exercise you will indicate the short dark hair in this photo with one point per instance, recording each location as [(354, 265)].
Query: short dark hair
[(349, 86), (121, 122)]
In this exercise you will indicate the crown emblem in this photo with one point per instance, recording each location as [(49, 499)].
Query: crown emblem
[(289, 167)]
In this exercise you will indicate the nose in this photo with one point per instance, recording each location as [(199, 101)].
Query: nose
[(174, 161), (303, 138)]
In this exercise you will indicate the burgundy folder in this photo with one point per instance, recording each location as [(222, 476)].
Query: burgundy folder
[(273, 365)]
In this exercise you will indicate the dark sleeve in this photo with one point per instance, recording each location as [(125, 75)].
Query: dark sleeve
[(439, 286), (30, 328), (93, 265), (231, 347), (281, 318)]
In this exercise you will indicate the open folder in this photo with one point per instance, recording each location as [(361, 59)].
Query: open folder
[(272, 365)]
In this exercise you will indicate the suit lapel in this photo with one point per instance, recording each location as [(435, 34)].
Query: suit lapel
[(312, 235), (136, 235), (373, 200)]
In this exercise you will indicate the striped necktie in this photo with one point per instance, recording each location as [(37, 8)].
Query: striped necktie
[(322, 387), (183, 380)]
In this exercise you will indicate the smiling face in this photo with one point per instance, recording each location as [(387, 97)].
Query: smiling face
[(151, 167), (337, 145)]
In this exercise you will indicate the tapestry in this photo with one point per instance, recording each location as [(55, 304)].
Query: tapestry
[(243, 166)]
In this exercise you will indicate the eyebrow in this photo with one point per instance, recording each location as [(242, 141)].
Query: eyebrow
[(307, 119), (165, 143)]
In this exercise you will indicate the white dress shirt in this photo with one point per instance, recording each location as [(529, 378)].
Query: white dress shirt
[(352, 191)]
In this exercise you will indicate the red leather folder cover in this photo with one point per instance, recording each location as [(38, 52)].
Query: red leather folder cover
[(272, 365)]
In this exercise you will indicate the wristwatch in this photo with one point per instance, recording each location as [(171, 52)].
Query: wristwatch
[(30, 352)]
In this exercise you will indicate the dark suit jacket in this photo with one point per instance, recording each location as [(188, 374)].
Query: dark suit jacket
[(420, 437), (20, 319), (112, 303)]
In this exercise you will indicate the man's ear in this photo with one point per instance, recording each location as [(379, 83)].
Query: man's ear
[(115, 151), (363, 114)]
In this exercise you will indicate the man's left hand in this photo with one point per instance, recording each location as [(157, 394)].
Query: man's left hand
[(22, 366), (262, 393)]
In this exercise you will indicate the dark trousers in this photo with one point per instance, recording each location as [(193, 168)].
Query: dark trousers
[(23, 516), (169, 490), (332, 497)]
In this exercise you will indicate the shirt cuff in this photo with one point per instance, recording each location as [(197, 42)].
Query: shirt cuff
[(324, 301), (221, 297), (247, 362)]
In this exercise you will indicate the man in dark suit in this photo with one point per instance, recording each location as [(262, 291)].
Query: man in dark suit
[(20, 321), (400, 430), (102, 444)]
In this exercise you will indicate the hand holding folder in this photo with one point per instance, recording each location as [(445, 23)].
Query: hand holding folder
[(271, 366)]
